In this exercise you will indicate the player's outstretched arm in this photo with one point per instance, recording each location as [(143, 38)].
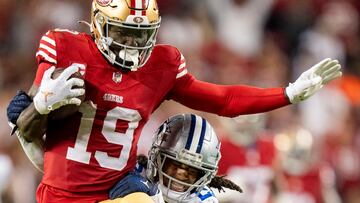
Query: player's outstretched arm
[(313, 80), (234, 100)]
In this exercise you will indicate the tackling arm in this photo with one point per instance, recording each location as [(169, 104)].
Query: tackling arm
[(33, 147)]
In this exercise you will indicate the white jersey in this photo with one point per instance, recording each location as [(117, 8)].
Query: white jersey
[(206, 196)]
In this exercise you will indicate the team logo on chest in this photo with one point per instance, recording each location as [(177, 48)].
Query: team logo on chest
[(117, 77), (113, 98)]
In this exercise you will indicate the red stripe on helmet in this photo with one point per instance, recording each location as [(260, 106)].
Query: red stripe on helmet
[(132, 6)]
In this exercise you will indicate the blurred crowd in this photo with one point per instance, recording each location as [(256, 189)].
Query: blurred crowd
[(305, 153)]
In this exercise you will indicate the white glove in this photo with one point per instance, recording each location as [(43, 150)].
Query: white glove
[(313, 79), (54, 93)]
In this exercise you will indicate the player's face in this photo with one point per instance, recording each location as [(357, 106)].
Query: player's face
[(180, 172), (129, 36)]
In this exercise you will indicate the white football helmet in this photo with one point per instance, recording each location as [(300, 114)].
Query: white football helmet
[(125, 30), (186, 139)]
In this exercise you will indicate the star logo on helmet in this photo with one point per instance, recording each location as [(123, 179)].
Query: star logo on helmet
[(103, 2)]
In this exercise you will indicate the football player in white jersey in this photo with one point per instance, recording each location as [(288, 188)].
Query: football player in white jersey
[(183, 163)]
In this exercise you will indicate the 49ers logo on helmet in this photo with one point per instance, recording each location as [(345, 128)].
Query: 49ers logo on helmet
[(138, 20), (103, 2)]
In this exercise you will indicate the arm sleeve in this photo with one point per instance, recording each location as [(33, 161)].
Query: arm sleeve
[(226, 100), (46, 55), (42, 67)]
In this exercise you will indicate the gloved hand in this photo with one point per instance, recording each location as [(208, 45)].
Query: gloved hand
[(18, 103), (54, 93), (133, 182), (313, 79)]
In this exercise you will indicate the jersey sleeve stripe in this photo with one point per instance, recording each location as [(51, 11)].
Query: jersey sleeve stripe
[(179, 75), (46, 57), (182, 66), (49, 40), (50, 50)]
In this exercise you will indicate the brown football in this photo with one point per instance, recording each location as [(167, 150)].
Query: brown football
[(66, 110)]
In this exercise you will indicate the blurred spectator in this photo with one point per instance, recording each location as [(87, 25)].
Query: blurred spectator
[(240, 24), (304, 177), (252, 161), (5, 173)]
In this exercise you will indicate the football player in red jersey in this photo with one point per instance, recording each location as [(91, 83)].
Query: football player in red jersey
[(304, 176), (254, 166), (126, 78)]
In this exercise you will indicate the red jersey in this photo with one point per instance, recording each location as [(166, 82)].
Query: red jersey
[(252, 168), (262, 153), (306, 188), (92, 149)]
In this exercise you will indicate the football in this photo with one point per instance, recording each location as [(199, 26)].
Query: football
[(67, 110)]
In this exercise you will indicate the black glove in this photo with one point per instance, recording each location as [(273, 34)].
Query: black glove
[(18, 104), (132, 182)]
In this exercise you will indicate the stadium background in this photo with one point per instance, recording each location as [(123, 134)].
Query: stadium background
[(266, 43)]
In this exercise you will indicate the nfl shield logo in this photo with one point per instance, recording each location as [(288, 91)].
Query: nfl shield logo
[(117, 77)]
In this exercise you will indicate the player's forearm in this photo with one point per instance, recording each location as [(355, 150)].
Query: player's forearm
[(229, 100), (32, 125), (248, 100)]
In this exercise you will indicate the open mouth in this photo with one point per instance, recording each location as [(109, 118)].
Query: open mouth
[(177, 187)]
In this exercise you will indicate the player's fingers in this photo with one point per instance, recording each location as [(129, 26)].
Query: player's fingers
[(331, 77), (76, 92), (18, 109), (48, 73), (328, 66), (75, 82), (323, 67), (331, 70), (69, 71), (75, 101), (320, 65)]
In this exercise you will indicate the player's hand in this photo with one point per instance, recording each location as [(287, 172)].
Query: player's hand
[(17, 104), (132, 182), (313, 79), (54, 93)]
